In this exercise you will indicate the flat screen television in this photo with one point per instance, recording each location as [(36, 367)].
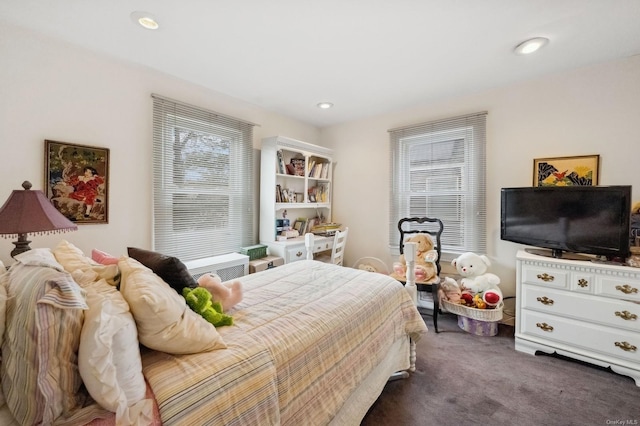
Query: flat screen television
[(568, 222)]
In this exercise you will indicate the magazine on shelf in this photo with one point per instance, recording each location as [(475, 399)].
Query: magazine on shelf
[(298, 164)]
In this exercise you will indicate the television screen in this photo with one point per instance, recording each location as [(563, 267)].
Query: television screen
[(575, 219)]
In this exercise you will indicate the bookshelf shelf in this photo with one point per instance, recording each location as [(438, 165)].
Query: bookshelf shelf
[(295, 182)]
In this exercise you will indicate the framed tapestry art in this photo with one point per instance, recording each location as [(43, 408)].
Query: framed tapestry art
[(566, 171), (77, 181)]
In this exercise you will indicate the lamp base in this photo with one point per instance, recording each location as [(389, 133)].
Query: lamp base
[(22, 245)]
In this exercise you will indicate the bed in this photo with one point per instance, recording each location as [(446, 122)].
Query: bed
[(312, 343)]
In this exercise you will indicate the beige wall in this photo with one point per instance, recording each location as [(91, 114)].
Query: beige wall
[(50, 90), (594, 110)]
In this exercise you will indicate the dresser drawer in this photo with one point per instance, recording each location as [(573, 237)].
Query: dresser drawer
[(618, 287), (545, 275), (597, 310), (566, 332)]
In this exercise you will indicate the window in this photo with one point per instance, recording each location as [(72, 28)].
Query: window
[(203, 187), (438, 170)]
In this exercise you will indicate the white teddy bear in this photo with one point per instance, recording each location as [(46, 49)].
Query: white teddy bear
[(475, 278)]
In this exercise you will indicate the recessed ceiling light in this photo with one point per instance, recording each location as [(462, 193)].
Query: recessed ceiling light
[(145, 20), (531, 45), (325, 105)]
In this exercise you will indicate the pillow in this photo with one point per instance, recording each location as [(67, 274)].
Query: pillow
[(4, 277), (109, 356), (164, 321), (103, 258), (39, 370), (71, 258), (169, 268), (39, 257)]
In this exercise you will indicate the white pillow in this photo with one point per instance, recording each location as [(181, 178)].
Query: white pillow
[(39, 257), (109, 356), (4, 279), (72, 259), (165, 322)]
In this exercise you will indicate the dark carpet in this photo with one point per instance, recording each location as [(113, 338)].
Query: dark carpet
[(464, 379)]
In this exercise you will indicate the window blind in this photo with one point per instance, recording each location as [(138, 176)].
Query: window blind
[(438, 170), (203, 188)]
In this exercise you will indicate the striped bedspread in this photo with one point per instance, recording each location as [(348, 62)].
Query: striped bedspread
[(305, 336)]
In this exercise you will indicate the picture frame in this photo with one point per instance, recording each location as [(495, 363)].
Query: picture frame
[(300, 225), (582, 170), (77, 181)]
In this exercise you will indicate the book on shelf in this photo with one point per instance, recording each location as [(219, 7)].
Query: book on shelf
[(282, 194), (319, 193), (291, 170), (281, 166), (319, 170), (325, 171)]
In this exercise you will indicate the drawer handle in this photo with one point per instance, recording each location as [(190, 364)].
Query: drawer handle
[(545, 300), (546, 277), (626, 346), (583, 283), (544, 326), (626, 289), (298, 254), (626, 315)]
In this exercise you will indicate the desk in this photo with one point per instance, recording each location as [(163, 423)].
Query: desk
[(293, 249)]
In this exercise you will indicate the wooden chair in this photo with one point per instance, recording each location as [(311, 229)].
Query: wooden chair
[(337, 251), (433, 227)]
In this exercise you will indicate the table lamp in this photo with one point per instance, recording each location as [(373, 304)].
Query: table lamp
[(30, 212)]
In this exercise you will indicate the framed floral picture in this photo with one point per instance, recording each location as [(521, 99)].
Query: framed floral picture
[(566, 171), (77, 181)]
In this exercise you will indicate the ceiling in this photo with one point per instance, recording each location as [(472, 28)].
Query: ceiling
[(367, 57)]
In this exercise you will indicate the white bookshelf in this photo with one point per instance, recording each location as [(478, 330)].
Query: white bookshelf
[(298, 190)]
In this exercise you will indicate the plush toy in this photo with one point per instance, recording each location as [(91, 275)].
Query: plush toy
[(228, 295), (476, 281), (368, 268), (449, 290), (425, 268), (199, 300)]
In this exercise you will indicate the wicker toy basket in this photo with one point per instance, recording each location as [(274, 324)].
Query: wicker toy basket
[(490, 315)]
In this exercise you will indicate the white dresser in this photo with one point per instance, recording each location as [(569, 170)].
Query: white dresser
[(581, 309)]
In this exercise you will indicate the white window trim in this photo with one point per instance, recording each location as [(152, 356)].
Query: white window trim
[(471, 129), (239, 229)]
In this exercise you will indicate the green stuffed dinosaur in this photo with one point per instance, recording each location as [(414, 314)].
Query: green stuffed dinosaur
[(199, 300)]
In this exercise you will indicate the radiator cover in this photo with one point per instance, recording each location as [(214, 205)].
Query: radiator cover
[(228, 266)]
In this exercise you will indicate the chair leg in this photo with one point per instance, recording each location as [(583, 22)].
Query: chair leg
[(436, 306)]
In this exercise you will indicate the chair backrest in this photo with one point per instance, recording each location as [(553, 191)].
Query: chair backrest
[(422, 225), (339, 243), (337, 252)]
